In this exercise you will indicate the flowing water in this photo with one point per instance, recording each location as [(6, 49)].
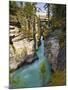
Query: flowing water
[(30, 75)]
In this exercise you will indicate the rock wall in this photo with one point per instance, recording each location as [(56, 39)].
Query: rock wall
[(24, 52), (61, 59), (52, 51)]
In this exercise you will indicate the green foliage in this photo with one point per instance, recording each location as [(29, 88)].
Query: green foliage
[(59, 11), (28, 9), (13, 18), (46, 33), (27, 34), (23, 14), (58, 15), (13, 7), (42, 68)]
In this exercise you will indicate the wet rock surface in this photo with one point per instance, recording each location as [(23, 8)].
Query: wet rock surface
[(52, 51)]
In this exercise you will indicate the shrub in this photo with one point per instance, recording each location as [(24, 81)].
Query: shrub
[(42, 68)]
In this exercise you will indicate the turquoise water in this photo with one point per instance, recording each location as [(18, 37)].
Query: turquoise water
[(30, 75)]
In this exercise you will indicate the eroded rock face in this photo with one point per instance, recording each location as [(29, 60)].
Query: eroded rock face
[(23, 53), (62, 59), (52, 50)]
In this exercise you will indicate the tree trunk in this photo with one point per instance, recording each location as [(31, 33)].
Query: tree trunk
[(34, 31), (29, 23), (48, 15)]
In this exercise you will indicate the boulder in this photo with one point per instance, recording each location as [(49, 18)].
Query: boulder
[(24, 54)]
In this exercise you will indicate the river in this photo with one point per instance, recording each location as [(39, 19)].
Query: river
[(30, 76)]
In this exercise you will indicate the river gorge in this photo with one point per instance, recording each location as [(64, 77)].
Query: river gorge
[(37, 45), (31, 75)]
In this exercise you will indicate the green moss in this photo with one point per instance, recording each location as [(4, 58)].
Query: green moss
[(42, 68)]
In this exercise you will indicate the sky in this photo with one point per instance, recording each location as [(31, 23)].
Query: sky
[(41, 6)]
